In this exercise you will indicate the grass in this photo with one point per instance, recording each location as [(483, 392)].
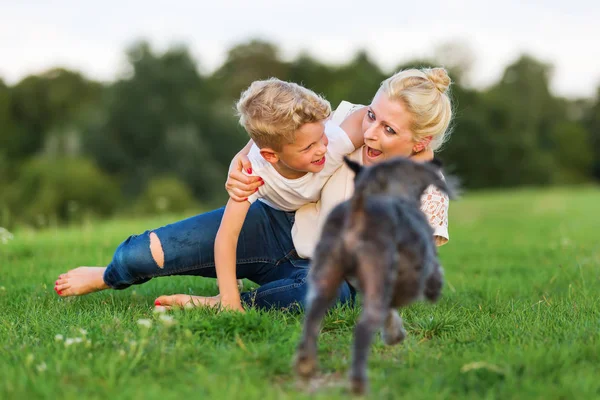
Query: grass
[(519, 319)]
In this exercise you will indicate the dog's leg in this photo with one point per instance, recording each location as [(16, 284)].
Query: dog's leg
[(371, 320), (393, 329), (434, 283), (376, 299), (324, 284)]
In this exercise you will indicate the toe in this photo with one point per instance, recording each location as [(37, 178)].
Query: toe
[(164, 301)]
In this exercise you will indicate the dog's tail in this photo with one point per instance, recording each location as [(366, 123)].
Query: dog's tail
[(357, 206)]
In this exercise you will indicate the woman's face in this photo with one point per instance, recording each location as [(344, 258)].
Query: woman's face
[(386, 130)]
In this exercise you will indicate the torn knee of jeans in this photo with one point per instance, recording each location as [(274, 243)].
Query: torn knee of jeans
[(157, 251)]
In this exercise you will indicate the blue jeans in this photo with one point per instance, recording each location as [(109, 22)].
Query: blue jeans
[(265, 255)]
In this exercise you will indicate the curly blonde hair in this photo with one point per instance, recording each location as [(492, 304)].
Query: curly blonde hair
[(273, 110), (425, 93)]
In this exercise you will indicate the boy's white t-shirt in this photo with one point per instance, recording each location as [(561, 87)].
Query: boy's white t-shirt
[(290, 194)]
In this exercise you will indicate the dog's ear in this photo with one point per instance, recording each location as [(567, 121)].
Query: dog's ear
[(353, 165)]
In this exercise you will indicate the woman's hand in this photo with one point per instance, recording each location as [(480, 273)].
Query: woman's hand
[(240, 186)]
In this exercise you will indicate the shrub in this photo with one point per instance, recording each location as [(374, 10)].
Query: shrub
[(165, 195), (64, 189)]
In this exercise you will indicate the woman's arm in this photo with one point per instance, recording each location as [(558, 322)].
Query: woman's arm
[(240, 186), (225, 253), (435, 205), (352, 125), (245, 163)]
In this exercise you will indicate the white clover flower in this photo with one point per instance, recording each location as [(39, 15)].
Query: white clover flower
[(70, 341), (122, 353), (167, 320), (82, 331), (41, 367), (59, 338), (146, 323)]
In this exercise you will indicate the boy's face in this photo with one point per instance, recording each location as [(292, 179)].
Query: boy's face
[(306, 154)]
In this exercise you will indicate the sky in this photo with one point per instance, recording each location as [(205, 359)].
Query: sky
[(92, 36)]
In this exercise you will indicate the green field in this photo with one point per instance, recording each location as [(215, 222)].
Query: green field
[(519, 318)]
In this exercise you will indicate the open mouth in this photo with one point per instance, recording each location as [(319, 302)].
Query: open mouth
[(320, 161), (372, 153)]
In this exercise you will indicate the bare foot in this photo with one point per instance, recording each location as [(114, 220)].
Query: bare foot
[(187, 301), (80, 281)]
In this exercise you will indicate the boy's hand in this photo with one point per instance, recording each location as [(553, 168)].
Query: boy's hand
[(240, 186), (232, 304)]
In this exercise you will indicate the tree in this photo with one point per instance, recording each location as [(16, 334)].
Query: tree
[(356, 81), (572, 153), (49, 104), (8, 127), (467, 150), (245, 63), (158, 121), (522, 113), (8, 133), (593, 126), (312, 74)]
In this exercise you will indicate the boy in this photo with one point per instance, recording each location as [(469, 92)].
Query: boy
[(295, 151)]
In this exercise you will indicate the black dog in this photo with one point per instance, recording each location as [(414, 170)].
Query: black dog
[(381, 242)]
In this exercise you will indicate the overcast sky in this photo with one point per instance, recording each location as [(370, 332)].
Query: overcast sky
[(91, 36)]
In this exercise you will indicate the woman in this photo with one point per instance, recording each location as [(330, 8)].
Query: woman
[(409, 116)]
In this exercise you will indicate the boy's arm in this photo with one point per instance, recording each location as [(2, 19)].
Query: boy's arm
[(225, 253), (352, 125)]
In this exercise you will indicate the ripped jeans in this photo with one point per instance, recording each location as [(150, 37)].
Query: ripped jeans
[(265, 255)]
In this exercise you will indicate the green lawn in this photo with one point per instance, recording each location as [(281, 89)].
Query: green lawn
[(519, 318)]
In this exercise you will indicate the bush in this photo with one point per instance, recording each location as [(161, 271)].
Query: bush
[(65, 189), (165, 195)]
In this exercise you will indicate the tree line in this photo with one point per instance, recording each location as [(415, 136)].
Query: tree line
[(160, 137)]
